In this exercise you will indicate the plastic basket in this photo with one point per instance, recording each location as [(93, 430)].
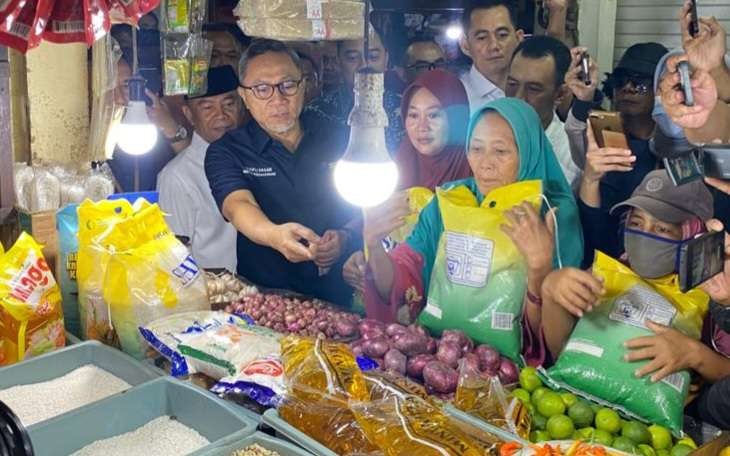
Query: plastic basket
[(239, 442), (272, 418)]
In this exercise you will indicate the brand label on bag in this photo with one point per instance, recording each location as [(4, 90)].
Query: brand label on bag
[(640, 304), (31, 281), (468, 259), (187, 271), (676, 381), (584, 346)]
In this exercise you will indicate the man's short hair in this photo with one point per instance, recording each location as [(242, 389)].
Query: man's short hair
[(538, 47), (473, 5), (235, 31), (261, 46)]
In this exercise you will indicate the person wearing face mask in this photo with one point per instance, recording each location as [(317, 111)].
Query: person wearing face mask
[(505, 144), (659, 217), (436, 113), (184, 191)]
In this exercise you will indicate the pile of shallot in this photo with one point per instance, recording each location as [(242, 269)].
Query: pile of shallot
[(305, 317), (413, 352)]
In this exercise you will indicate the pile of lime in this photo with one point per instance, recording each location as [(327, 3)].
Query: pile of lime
[(563, 416)]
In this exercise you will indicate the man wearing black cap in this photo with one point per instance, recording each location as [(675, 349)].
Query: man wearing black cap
[(184, 190)]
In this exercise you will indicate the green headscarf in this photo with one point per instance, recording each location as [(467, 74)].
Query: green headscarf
[(537, 162)]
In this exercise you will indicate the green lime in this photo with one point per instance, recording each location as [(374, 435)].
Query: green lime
[(539, 436), (681, 450), (646, 450), (602, 437), (662, 453), (539, 422), (537, 395), (522, 395), (687, 441), (529, 380), (581, 413), (661, 438), (531, 409), (550, 404), (569, 399), (636, 432), (560, 427), (587, 434), (608, 420), (625, 445)]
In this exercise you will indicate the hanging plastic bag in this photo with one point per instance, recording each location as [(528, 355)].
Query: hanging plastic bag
[(150, 275), (592, 362), (67, 223), (31, 317), (183, 16), (74, 21), (479, 277), (6, 8), (186, 63), (17, 27), (95, 251)]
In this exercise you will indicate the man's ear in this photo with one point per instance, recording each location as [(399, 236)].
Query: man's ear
[(188, 113), (242, 93), (464, 45), (520, 34)]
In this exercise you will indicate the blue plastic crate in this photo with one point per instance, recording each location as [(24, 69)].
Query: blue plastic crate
[(239, 442), (196, 408), (60, 362), (272, 418)]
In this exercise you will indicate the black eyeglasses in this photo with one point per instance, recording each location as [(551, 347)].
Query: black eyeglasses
[(643, 84), (428, 66), (266, 91)]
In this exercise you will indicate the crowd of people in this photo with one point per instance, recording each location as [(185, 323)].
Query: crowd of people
[(251, 185)]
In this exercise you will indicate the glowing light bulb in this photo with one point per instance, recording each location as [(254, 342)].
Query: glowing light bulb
[(136, 135), (366, 176), (453, 32)]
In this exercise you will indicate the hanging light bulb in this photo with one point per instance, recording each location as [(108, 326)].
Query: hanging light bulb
[(366, 176), (136, 135)]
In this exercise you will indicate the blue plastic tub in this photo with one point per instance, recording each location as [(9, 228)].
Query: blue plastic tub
[(71, 339), (272, 418), (61, 362), (151, 197), (239, 442), (198, 409)]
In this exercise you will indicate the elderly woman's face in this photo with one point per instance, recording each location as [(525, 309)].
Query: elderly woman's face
[(492, 153)]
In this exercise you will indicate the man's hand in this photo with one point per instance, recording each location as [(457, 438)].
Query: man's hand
[(600, 161), (707, 50), (718, 287), (329, 248), (556, 6), (704, 90), (382, 220), (287, 240), (161, 116), (532, 236), (669, 351), (354, 271), (574, 290), (581, 90)]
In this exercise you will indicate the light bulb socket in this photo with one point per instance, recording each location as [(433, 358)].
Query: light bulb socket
[(368, 109), (136, 88)]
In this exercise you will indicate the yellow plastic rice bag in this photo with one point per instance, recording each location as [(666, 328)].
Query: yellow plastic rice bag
[(479, 277), (31, 316), (151, 274), (592, 362), (96, 221)]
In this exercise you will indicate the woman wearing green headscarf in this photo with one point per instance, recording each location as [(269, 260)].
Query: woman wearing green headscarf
[(505, 145)]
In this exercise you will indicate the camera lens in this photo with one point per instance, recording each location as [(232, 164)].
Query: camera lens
[(14, 438)]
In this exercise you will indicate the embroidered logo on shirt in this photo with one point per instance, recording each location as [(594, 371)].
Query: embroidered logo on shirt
[(260, 172)]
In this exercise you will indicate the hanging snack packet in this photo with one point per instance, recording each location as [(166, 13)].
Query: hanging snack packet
[(66, 24), (150, 274), (592, 362), (96, 18), (183, 16), (6, 8), (16, 29), (31, 317), (479, 277), (176, 64), (200, 51)]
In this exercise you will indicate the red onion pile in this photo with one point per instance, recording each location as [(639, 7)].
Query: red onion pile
[(412, 352), (305, 317)]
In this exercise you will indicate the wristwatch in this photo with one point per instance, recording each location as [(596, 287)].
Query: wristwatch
[(181, 134)]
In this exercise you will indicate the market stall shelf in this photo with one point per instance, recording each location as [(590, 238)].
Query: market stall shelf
[(241, 441), (199, 410), (271, 418)]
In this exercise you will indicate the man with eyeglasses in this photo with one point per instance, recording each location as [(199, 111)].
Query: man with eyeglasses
[(423, 54), (335, 105), (272, 179)]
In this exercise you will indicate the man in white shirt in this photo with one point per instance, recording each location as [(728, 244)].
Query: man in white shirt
[(490, 38), (184, 190), (537, 76)]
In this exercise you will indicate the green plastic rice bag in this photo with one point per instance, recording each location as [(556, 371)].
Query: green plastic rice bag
[(592, 362), (479, 277)]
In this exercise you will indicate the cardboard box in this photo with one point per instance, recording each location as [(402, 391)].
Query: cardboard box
[(42, 226), (715, 447)]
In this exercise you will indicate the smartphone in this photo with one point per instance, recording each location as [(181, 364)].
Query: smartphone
[(686, 83), (716, 160), (585, 68), (685, 168), (700, 259), (608, 129), (694, 24)]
